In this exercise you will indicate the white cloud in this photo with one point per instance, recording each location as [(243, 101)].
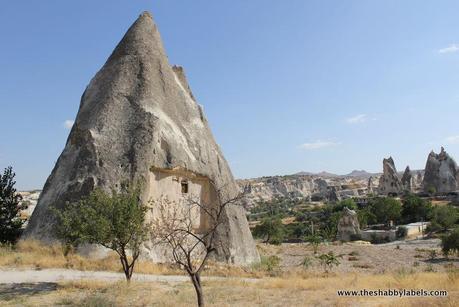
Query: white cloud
[(68, 124), (452, 139), (450, 49), (318, 145), (360, 118)]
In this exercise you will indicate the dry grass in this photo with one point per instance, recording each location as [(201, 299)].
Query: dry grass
[(295, 290), (293, 287), (33, 254)]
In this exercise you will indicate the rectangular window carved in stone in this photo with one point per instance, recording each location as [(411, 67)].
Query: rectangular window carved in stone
[(184, 186)]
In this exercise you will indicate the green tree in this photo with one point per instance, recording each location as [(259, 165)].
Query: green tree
[(349, 203), (415, 209), (365, 217), (386, 209), (450, 242), (315, 241), (114, 220), (10, 208), (271, 230), (443, 217)]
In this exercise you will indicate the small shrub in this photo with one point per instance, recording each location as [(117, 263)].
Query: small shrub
[(329, 260), (353, 258), (418, 256), (268, 264), (307, 262), (415, 264), (354, 253), (315, 241), (450, 242)]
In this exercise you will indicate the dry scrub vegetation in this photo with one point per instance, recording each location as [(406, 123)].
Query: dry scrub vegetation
[(32, 254), (297, 286), (318, 290)]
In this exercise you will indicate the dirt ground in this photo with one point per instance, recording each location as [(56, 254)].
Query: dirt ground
[(396, 265), (367, 258), (316, 290)]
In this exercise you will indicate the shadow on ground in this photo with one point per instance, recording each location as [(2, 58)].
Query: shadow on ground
[(10, 291)]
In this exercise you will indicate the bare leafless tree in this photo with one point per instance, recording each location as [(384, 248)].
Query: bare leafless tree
[(176, 225)]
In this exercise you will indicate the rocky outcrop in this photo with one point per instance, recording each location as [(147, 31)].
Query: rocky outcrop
[(408, 181), (370, 188), (311, 187), (441, 173), (348, 225), (389, 182), (138, 116)]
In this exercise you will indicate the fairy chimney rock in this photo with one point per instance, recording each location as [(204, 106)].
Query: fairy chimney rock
[(441, 173), (138, 121), (389, 183)]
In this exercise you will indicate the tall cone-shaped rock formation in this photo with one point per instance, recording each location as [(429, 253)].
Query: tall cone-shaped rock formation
[(138, 121), (441, 173), (389, 183), (407, 180)]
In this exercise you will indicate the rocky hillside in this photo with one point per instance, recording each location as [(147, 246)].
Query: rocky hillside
[(315, 187)]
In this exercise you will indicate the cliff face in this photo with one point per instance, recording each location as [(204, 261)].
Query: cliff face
[(138, 114), (441, 173), (312, 187)]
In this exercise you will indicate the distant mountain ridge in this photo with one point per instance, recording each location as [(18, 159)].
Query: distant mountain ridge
[(354, 173)]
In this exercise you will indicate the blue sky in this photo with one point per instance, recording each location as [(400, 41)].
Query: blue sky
[(286, 85)]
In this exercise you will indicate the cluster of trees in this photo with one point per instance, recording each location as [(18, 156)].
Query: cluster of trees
[(322, 221)]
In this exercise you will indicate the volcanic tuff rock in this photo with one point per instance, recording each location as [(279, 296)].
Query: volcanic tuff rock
[(312, 187), (138, 115), (441, 173), (389, 183), (408, 180), (348, 225), (370, 185)]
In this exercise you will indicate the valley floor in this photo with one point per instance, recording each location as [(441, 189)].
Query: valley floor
[(35, 275), (315, 290), (414, 255)]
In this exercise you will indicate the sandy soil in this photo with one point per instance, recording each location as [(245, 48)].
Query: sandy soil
[(59, 275), (367, 258)]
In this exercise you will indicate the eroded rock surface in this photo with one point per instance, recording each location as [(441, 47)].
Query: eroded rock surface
[(139, 121), (441, 173), (389, 182), (408, 180), (348, 225)]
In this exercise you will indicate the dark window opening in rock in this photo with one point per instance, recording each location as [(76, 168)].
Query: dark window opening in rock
[(184, 186)]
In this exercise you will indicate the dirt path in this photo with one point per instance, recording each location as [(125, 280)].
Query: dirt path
[(58, 275)]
